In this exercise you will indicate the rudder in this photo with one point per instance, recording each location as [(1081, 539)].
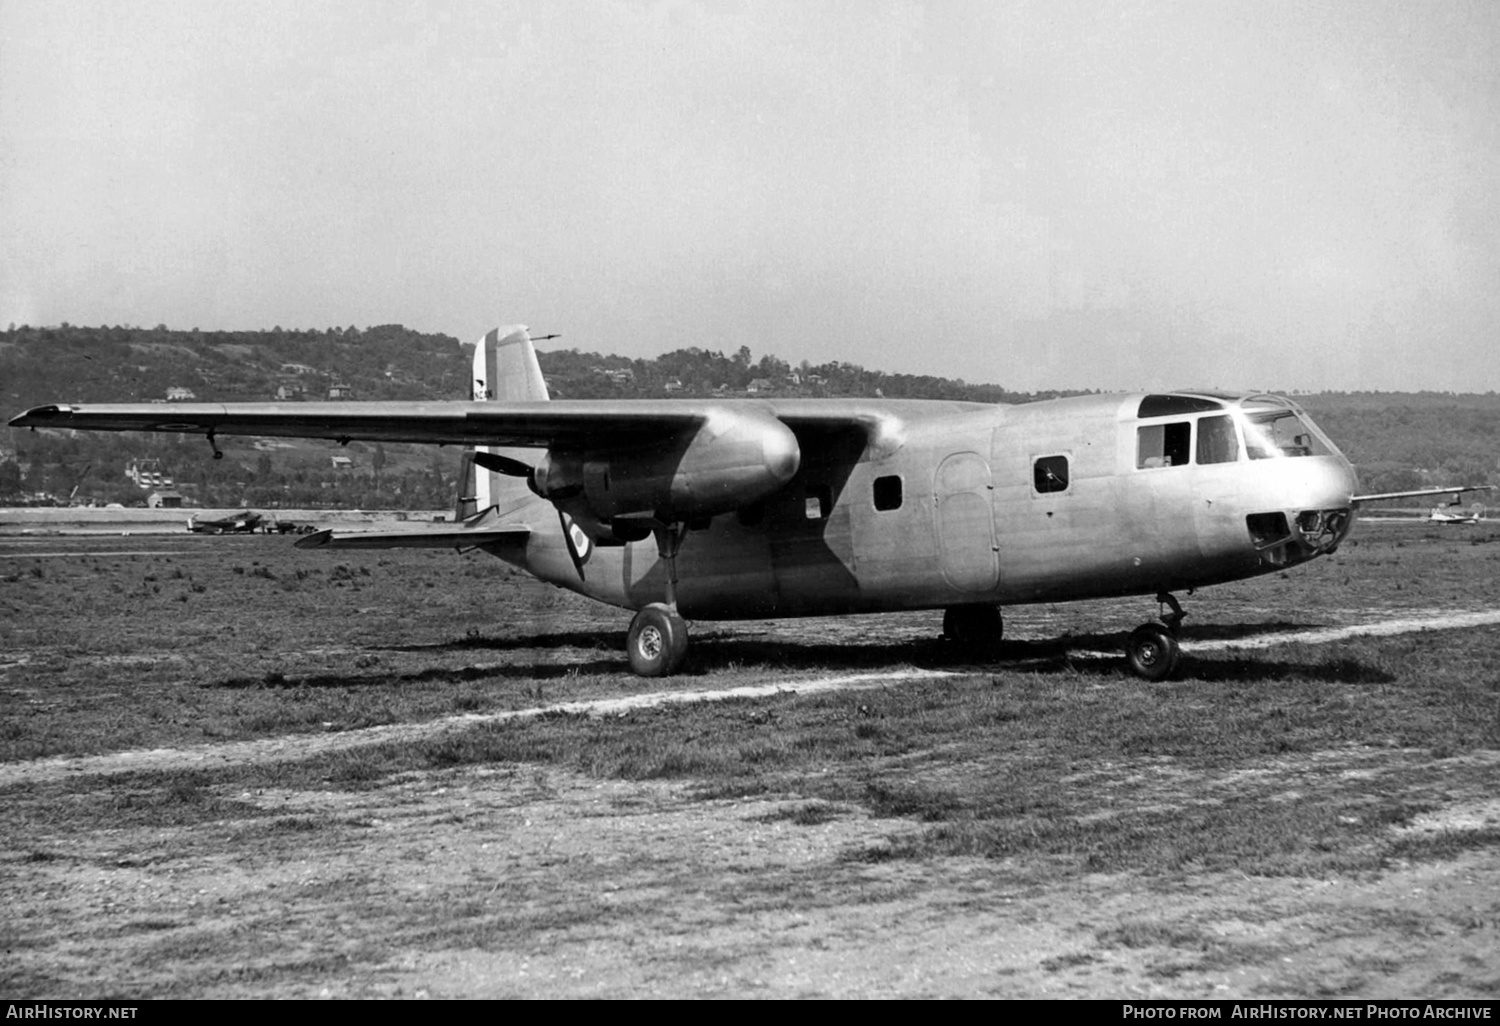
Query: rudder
[(505, 370)]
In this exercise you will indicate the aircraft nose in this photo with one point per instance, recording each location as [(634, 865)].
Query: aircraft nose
[(1327, 511), (1328, 483)]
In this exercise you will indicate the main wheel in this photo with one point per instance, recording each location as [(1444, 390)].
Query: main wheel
[(657, 641), (1153, 652), (973, 627)]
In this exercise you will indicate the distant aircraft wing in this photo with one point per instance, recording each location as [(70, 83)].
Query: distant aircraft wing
[(1422, 493), (483, 529)]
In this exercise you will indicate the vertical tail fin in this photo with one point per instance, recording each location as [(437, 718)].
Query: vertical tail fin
[(505, 367), (505, 370)]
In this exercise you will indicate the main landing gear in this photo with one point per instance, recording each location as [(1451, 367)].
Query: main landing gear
[(658, 638), (657, 641), (1152, 651)]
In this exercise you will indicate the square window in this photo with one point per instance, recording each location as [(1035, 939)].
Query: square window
[(887, 492), (1050, 474)]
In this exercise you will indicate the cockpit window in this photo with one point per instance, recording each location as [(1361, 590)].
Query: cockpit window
[(1278, 433), (1163, 445), (1217, 442), (1175, 405)]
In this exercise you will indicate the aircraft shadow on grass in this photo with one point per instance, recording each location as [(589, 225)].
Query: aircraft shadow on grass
[(720, 651), (1075, 653)]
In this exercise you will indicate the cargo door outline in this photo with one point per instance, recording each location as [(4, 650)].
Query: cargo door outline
[(965, 523)]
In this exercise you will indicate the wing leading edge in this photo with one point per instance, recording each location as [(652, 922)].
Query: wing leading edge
[(437, 423), (562, 424)]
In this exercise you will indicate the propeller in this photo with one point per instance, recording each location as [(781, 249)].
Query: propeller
[(501, 464)]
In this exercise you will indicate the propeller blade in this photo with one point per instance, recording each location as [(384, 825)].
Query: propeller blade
[(501, 464)]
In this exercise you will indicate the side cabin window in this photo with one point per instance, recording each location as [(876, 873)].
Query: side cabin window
[(1163, 445), (887, 492), (1050, 474)]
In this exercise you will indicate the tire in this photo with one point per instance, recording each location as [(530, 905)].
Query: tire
[(976, 628), (657, 641), (1153, 653)]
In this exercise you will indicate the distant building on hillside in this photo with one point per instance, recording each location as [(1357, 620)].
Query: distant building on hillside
[(340, 392), (147, 474), (164, 500), (180, 395), (342, 462)]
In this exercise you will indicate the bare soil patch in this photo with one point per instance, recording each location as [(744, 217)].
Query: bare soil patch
[(517, 882)]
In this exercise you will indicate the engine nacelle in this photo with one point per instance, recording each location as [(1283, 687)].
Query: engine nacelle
[(731, 460)]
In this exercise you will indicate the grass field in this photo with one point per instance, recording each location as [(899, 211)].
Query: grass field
[(233, 768)]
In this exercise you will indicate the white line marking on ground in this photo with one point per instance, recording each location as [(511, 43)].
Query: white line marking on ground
[(620, 706), (1323, 635), (78, 553), (288, 748), (1382, 628)]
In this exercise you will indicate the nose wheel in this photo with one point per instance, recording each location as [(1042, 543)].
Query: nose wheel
[(1152, 651)]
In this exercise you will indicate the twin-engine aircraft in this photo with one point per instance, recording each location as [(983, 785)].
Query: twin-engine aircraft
[(714, 509)]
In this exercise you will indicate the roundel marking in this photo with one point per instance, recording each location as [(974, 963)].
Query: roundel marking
[(581, 541)]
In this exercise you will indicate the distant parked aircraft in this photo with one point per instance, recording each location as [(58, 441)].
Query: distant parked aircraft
[(724, 509), (240, 523), (1443, 514)]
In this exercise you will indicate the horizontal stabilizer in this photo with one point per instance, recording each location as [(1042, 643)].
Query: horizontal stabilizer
[(484, 529)]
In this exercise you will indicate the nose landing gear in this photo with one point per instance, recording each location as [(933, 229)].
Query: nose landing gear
[(1152, 651)]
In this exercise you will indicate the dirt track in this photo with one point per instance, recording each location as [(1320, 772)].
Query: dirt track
[(573, 887)]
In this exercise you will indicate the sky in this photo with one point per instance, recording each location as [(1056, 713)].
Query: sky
[(1113, 195)]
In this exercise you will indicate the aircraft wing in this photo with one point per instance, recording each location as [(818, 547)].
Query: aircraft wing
[(437, 423), (1422, 493), (484, 529), (540, 424)]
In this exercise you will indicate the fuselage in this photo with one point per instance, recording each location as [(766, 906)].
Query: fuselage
[(1085, 497)]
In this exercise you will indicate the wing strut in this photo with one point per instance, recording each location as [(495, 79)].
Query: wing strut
[(669, 538), (658, 637)]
